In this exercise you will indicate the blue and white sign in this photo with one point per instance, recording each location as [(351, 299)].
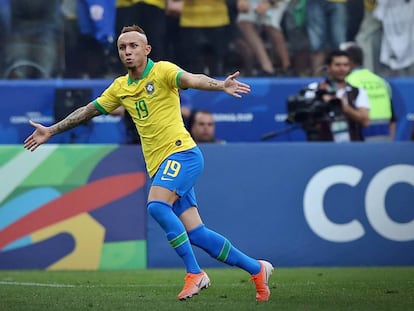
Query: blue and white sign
[(258, 114), (316, 204)]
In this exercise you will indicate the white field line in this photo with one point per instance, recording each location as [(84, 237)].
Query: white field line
[(35, 284), (57, 285)]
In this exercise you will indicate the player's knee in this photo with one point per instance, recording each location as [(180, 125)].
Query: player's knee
[(208, 240), (198, 235), (159, 210)]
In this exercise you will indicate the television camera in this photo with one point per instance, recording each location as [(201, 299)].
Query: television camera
[(309, 106)]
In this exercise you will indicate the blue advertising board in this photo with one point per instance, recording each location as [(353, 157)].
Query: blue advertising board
[(295, 204), (249, 119), (316, 204)]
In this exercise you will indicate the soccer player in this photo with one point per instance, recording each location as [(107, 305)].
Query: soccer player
[(149, 92)]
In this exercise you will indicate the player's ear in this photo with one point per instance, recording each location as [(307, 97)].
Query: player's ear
[(148, 49)]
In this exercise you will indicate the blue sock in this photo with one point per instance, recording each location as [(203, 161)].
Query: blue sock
[(176, 234), (221, 249)]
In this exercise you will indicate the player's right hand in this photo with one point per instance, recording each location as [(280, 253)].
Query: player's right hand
[(39, 136)]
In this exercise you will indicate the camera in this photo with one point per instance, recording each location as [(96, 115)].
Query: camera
[(314, 113), (308, 106)]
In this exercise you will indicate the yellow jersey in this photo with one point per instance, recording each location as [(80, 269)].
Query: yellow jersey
[(204, 14), (127, 3), (154, 105)]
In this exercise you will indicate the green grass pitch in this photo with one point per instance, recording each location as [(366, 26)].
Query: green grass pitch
[(382, 288)]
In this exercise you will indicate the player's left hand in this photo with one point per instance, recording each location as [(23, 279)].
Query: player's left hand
[(234, 87)]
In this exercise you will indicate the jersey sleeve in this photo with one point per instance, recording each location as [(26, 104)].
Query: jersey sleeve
[(108, 101), (172, 74)]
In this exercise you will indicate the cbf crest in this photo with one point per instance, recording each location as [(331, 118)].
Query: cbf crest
[(150, 87)]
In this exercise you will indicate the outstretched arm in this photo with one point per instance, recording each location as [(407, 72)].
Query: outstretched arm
[(42, 133), (202, 82)]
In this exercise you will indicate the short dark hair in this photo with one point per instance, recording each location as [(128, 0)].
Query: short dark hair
[(335, 53), (355, 54), (194, 113), (133, 28)]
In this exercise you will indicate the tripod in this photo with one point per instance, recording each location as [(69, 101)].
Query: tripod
[(281, 132), (313, 132)]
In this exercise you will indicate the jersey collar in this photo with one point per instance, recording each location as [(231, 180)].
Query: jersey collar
[(148, 68)]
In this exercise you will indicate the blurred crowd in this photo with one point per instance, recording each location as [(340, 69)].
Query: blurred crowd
[(281, 38)]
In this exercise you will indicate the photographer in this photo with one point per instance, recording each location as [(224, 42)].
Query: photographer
[(331, 110)]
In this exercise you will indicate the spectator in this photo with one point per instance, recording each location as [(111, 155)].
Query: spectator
[(326, 27), (74, 66), (150, 15), (397, 49), (203, 36), (348, 109), (381, 115), (202, 127), (294, 26), (257, 15), (369, 38), (96, 19), (355, 15), (173, 11), (4, 29), (240, 55), (35, 43)]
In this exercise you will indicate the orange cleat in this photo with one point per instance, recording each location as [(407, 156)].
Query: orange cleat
[(193, 284), (261, 281)]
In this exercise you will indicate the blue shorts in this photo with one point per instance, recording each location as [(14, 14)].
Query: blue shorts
[(179, 173)]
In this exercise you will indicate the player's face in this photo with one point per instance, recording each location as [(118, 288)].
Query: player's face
[(133, 49), (339, 68)]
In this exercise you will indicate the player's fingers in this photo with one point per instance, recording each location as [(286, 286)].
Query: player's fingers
[(243, 89), (33, 147), (28, 139), (235, 75), (29, 144), (32, 123), (241, 84)]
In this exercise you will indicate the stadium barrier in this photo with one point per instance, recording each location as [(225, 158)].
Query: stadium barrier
[(237, 120), (81, 207)]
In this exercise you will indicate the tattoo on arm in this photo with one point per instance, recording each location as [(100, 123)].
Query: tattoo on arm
[(77, 117), (212, 83), (207, 83), (201, 82)]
